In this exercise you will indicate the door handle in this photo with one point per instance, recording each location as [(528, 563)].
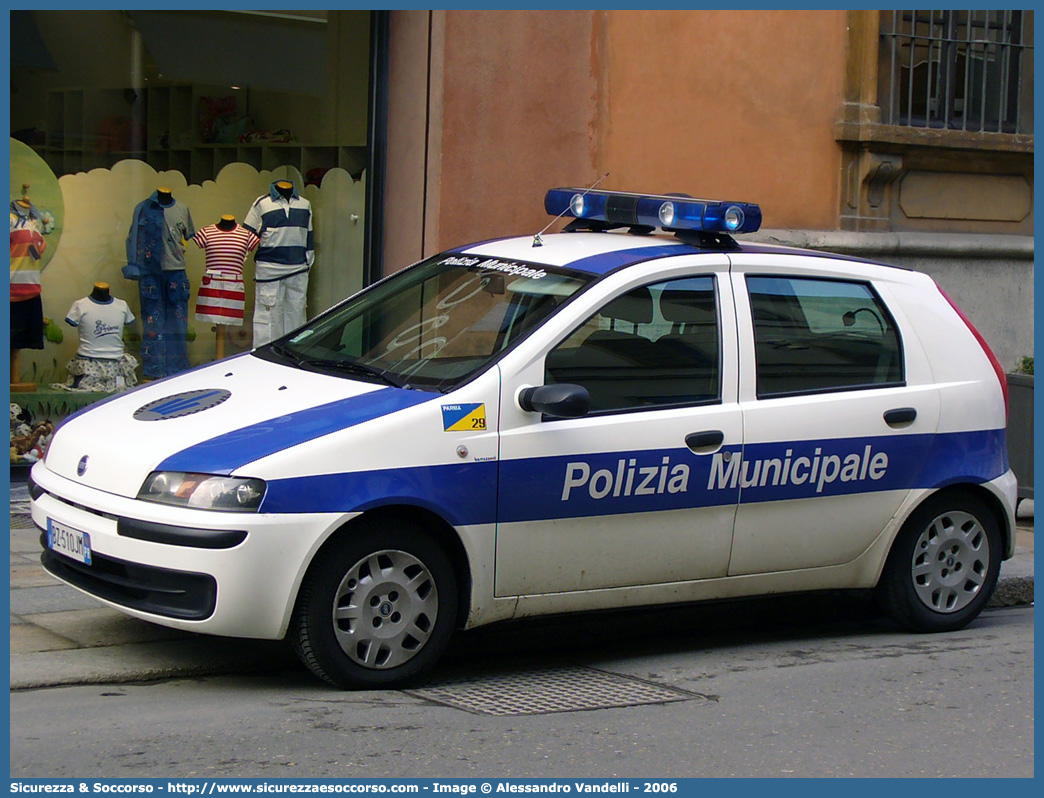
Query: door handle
[(900, 416), (708, 440)]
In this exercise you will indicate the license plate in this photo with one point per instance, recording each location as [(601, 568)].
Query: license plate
[(68, 541)]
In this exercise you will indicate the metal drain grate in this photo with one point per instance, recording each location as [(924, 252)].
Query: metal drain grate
[(546, 691), (21, 520)]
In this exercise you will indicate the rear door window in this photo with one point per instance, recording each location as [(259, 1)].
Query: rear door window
[(814, 335)]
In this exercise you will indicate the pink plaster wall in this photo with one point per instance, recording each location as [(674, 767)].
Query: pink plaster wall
[(731, 104), (738, 105), (518, 109)]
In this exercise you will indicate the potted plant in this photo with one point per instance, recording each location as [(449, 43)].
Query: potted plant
[(1020, 426)]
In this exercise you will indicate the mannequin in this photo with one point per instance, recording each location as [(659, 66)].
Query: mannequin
[(156, 259), (282, 220), (28, 227), (222, 296), (100, 363)]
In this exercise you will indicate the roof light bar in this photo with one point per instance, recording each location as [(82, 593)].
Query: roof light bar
[(671, 212)]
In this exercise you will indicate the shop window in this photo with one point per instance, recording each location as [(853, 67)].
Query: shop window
[(173, 112)]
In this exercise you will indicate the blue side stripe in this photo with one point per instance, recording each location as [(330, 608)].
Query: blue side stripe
[(464, 493), (225, 453), (531, 489)]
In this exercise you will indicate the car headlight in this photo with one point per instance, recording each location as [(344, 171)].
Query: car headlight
[(203, 491)]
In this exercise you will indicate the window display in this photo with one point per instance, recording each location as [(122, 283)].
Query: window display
[(122, 158)]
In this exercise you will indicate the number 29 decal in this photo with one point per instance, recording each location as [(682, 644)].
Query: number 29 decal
[(463, 417)]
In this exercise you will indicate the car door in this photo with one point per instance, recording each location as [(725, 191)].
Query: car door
[(618, 497), (838, 409)]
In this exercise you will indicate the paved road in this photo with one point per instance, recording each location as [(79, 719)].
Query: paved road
[(59, 636), (740, 693), (790, 686)]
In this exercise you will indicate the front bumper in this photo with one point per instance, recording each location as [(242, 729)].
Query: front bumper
[(234, 574)]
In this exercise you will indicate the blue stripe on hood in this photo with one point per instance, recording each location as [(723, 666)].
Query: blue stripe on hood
[(225, 453)]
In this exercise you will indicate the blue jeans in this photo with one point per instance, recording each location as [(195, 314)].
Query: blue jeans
[(164, 318)]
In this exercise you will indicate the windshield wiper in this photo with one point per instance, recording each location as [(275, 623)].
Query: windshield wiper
[(353, 367), (287, 353)]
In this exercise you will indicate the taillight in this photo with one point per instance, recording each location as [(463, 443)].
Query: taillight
[(1001, 376)]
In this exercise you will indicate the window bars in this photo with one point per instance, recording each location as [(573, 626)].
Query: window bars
[(957, 70)]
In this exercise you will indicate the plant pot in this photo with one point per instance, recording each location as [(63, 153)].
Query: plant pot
[(1020, 431)]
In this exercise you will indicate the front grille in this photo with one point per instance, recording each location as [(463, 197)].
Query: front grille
[(160, 591)]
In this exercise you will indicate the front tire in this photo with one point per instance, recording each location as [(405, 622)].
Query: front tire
[(943, 566), (377, 607)]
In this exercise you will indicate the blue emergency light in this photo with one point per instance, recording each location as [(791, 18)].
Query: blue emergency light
[(668, 211)]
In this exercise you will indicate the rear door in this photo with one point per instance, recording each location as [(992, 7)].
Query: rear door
[(839, 410)]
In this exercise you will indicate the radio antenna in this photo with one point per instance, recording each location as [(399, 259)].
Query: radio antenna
[(538, 240)]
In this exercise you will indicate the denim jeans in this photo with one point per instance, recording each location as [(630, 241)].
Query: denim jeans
[(164, 318)]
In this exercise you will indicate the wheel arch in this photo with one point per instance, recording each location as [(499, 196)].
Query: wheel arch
[(434, 525), (918, 607), (987, 497), (976, 490)]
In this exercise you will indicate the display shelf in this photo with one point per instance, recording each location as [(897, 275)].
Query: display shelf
[(165, 132)]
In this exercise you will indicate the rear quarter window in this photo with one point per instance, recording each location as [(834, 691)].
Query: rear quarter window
[(814, 335)]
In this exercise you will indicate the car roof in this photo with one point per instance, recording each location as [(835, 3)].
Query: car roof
[(601, 253)]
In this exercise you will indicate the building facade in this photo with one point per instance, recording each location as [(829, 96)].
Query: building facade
[(901, 136)]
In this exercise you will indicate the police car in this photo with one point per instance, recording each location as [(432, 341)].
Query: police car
[(635, 411)]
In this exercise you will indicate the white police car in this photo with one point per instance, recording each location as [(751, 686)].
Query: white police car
[(592, 419)]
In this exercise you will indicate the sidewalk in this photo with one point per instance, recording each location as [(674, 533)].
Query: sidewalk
[(60, 636)]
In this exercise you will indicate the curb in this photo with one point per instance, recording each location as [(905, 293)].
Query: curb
[(1015, 591)]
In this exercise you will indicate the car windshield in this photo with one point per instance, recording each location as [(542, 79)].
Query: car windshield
[(433, 326)]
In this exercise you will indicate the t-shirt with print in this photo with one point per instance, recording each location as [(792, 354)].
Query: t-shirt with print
[(100, 325), (179, 227)]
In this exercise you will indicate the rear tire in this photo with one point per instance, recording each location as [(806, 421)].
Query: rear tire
[(377, 607), (943, 566)]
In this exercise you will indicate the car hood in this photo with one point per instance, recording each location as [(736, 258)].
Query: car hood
[(216, 419)]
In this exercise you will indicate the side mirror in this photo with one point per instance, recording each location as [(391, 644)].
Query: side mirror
[(561, 400)]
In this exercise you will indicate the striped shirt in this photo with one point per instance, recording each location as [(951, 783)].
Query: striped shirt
[(27, 248), (226, 250), (285, 229)]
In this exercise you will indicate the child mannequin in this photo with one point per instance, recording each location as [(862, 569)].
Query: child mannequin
[(100, 363), (221, 293), (282, 219)]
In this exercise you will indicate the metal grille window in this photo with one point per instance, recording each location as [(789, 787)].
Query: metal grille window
[(958, 70)]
